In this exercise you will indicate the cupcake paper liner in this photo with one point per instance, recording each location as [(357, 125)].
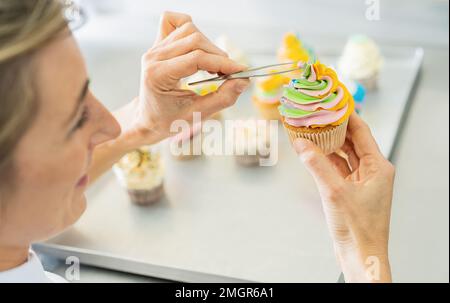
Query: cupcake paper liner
[(328, 140), (247, 160), (146, 196)]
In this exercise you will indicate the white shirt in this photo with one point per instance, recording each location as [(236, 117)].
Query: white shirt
[(31, 271)]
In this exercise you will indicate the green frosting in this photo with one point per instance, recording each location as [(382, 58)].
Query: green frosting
[(359, 39), (305, 84), (298, 97), (293, 112), (307, 71)]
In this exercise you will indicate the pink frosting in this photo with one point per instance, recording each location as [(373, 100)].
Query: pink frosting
[(314, 106), (320, 117)]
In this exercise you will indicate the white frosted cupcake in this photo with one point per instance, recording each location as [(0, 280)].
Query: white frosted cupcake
[(141, 173), (361, 61)]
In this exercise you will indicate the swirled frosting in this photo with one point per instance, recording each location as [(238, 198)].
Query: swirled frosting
[(316, 99)]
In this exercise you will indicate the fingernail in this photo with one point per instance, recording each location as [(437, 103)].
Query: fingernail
[(300, 145), (241, 86)]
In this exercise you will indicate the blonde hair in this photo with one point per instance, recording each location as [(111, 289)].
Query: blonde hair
[(25, 26)]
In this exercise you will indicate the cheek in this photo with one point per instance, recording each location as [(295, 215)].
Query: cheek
[(58, 171), (46, 186)]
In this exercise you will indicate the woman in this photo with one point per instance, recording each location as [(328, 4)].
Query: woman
[(55, 136)]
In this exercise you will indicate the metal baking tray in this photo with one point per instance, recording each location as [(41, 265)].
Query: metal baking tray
[(220, 222)]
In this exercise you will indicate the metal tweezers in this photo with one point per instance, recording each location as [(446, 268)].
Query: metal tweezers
[(262, 71)]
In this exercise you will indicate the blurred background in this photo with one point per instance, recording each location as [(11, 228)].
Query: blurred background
[(400, 22), (117, 29)]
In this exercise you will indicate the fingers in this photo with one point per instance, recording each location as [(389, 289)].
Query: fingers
[(179, 33), (189, 29), (224, 97), (317, 164), (170, 21), (340, 164), (348, 149), (188, 64), (195, 41), (361, 137)]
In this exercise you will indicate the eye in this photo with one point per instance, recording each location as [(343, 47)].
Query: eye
[(82, 120)]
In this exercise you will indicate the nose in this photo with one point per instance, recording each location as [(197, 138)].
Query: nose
[(107, 127)]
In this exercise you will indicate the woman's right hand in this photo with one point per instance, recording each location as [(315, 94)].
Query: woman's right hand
[(356, 194), (179, 51)]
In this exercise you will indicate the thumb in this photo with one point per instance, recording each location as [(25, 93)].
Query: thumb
[(317, 163), (224, 97)]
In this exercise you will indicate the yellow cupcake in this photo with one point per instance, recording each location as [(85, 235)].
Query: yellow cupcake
[(267, 94)]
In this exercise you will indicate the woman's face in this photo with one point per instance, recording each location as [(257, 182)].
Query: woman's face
[(51, 161)]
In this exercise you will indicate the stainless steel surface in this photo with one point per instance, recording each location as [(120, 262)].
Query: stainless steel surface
[(263, 71), (419, 241), (91, 274), (219, 221)]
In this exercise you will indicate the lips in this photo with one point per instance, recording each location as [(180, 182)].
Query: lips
[(84, 180)]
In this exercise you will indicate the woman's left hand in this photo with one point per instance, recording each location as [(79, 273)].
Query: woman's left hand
[(179, 51)]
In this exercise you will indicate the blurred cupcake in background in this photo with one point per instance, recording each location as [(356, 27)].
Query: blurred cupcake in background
[(202, 89), (141, 173), (361, 61), (268, 90), (267, 93), (248, 140), (293, 50)]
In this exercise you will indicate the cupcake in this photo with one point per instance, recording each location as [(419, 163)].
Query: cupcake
[(141, 173), (267, 93), (202, 89), (317, 107), (248, 140), (268, 90), (293, 50), (361, 61)]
